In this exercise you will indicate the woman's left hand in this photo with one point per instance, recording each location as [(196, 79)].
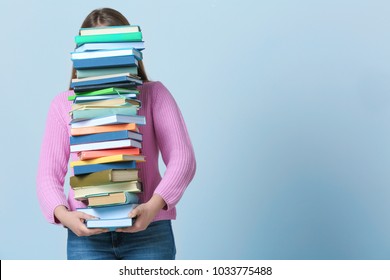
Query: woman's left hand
[(144, 214)]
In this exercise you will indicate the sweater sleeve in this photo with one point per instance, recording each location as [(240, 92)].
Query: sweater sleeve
[(53, 163), (175, 146)]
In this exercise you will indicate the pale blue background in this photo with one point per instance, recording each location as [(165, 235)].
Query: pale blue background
[(287, 104)]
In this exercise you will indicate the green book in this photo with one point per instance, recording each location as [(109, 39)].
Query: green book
[(85, 73), (105, 91), (128, 110), (109, 38)]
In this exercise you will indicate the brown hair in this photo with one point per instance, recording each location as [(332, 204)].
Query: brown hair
[(109, 17)]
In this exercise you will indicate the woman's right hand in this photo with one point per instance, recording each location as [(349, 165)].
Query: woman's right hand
[(74, 220)]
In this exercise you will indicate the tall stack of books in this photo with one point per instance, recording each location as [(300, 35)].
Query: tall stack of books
[(105, 120)]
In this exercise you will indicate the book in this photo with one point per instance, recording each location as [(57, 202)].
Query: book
[(106, 79), (83, 114), (103, 177), (140, 45), (109, 78), (107, 103), (88, 98), (106, 136), (114, 119), (101, 62), (85, 155), (110, 217), (112, 199), (103, 38), (84, 192), (102, 129), (109, 29), (106, 53), (111, 224), (109, 212), (85, 73), (105, 145), (122, 85), (111, 92), (90, 168), (108, 159)]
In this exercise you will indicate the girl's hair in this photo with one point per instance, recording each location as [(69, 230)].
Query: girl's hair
[(109, 17)]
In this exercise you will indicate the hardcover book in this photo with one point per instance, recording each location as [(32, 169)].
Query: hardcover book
[(106, 136), (85, 73), (103, 177), (106, 79), (84, 192), (88, 98), (85, 169), (111, 224), (102, 129), (106, 53), (108, 159), (114, 119), (101, 62), (109, 212), (110, 46), (123, 85), (104, 38), (84, 155), (108, 103), (109, 29), (104, 93), (112, 199), (83, 114)]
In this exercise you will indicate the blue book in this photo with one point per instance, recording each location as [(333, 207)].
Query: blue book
[(109, 212), (105, 136), (101, 62), (90, 168), (112, 216)]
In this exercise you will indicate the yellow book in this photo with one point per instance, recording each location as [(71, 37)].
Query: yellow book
[(107, 159), (86, 192)]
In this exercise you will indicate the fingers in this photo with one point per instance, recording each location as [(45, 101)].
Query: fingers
[(135, 212)]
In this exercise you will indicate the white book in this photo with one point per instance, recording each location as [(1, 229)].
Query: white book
[(113, 119), (106, 53), (109, 30), (105, 145), (110, 46), (82, 99), (111, 224)]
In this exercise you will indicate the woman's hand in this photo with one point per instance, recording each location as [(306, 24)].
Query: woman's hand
[(145, 214), (74, 220)]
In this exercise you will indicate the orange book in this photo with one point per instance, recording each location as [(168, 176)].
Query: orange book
[(102, 128), (85, 155)]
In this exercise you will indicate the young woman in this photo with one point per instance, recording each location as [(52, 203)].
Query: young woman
[(151, 235)]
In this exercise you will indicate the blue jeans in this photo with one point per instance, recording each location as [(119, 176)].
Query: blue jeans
[(154, 243)]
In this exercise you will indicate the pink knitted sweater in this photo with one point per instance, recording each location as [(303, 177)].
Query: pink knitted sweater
[(164, 132)]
